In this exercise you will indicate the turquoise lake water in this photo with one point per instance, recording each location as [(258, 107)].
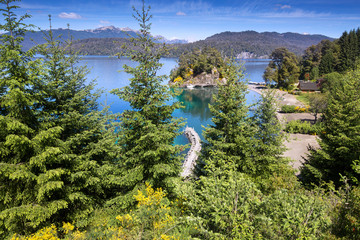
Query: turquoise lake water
[(107, 72)]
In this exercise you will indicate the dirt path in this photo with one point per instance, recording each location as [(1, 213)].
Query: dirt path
[(283, 97), (297, 144)]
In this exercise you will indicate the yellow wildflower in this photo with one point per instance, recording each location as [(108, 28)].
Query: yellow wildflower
[(68, 227), (178, 79)]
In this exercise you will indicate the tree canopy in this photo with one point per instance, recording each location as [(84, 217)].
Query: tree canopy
[(340, 137), (282, 69), (327, 56), (55, 150), (193, 63), (147, 131)]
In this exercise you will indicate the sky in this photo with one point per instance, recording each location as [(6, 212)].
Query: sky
[(197, 19)]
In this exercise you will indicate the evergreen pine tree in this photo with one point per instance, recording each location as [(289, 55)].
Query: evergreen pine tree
[(340, 139), (354, 49), (349, 50), (327, 63), (229, 140), (86, 139), (17, 69), (269, 147), (54, 148), (18, 125), (344, 49), (148, 130)]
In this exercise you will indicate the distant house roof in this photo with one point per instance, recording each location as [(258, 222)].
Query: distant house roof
[(308, 86)]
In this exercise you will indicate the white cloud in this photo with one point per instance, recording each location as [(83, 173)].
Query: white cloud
[(282, 6), (104, 22), (180, 13), (285, 6), (70, 15), (295, 14)]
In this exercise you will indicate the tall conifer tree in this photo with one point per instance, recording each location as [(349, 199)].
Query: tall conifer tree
[(86, 141), (148, 130), (229, 139), (340, 139), (55, 154), (269, 138), (18, 123), (349, 50)]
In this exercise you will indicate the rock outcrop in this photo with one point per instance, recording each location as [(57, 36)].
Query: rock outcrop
[(201, 80)]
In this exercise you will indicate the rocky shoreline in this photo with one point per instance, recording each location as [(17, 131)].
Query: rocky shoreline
[(202, 80)]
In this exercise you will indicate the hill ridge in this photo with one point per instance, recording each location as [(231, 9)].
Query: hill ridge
[(244, 44)]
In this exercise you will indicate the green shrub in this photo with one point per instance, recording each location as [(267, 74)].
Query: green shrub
[(298, 126), (348, 221), (288, 109), (294, 215), (293, 109)]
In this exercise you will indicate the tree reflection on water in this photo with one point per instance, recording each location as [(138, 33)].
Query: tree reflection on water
[(196, 102)]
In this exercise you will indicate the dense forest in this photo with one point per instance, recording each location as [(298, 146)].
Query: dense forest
[(70, 171), (326, 60), (109, 46), (327, 57)]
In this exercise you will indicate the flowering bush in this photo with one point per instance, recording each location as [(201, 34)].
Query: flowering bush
[(178, 79), (153, 218), (189, 72), (53, 233), (293, 109)]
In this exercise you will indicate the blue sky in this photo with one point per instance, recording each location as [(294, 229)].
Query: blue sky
[(198, 19)]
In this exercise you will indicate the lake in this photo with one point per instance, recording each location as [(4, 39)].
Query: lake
[(109, 75)]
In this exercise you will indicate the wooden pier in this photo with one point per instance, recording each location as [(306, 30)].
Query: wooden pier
[(193, 153)]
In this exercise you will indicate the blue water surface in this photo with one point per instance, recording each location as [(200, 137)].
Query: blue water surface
[(109, 75)]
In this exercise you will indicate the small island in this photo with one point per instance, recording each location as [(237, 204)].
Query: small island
[(199, 68)]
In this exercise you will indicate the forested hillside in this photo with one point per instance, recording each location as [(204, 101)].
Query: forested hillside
[(248, 44), (100, 46), (258, 44)]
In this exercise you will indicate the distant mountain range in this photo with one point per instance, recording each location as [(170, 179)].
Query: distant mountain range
[(108, 32), (247, 44)]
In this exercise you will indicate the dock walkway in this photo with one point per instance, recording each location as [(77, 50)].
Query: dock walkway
[(193, 153)]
